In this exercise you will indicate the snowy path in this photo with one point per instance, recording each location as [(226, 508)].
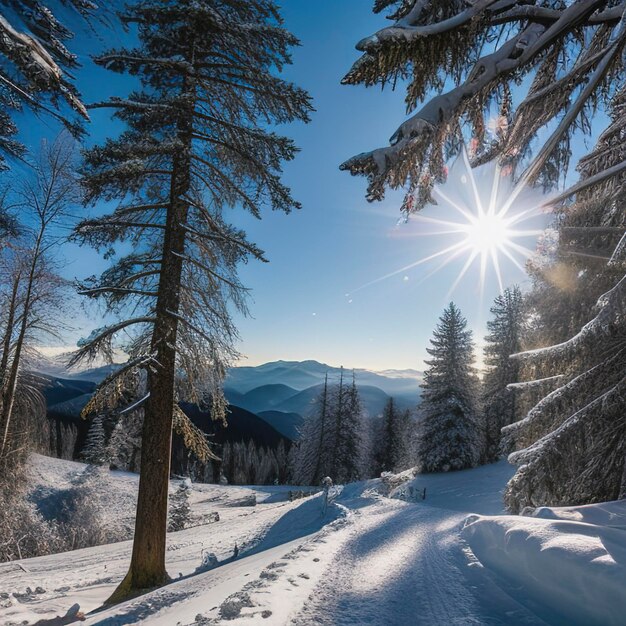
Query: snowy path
[(403, 564), (368, 560)]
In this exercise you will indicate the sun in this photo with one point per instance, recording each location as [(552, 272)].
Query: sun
[(487, 234), (480, 218)]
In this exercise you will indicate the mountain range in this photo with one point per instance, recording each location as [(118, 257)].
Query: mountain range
[(279, 394)]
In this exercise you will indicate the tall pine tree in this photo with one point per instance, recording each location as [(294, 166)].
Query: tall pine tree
[(197, 141), (449, 437), (504, 339)]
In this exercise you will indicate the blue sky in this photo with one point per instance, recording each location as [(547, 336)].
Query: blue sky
[(337, 242)]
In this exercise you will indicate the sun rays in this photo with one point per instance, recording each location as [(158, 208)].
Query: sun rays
[(483, 220)]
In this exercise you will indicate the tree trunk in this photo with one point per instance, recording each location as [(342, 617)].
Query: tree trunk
[(147, 567)]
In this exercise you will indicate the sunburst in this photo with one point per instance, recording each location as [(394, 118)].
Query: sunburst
[(481, 219)]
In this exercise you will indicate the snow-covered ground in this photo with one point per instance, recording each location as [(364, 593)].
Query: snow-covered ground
[(368, 558)]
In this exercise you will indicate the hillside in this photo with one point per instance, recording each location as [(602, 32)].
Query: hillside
[(453, 558)]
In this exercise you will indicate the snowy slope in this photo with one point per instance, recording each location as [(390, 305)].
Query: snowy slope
[(365, 559), (570, 562)]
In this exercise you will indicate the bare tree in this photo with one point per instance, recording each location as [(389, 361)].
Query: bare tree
[(36, 293)]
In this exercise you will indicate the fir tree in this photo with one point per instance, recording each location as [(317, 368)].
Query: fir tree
[(36, 67), (95, 448), (571, 445), (310, 456), (391, 439), (449, 437), (196, 142), (180, 511), (349, 441), (504, 339)]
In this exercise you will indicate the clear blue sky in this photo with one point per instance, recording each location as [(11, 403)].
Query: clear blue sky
[(337, 242)]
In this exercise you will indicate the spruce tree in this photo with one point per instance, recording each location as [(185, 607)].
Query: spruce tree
[(504, 339), (95, 448), (310, 456), (350, 438), (390, 439), (36, 67), (180, 511), (197, 141), (449, 437)]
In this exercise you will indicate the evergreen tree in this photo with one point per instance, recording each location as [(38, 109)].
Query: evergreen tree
[(180, 511), (331, 442), (95, 448), (310, 456), (449, 437), (196, 142), (391, 440), (349, 439), (571, 51), (504, 339), (36, 66), (571, 446)]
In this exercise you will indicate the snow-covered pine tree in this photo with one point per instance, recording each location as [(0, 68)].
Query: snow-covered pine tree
[(571, 51), (349, 438), (504, 339), (180, 511), (95, 448), (197, 141), (36, 66), (449, 437), (572, 444)]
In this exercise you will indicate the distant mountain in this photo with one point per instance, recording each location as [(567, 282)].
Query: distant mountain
[(287, 424), (264, 398), (301, 375), (373, 401)]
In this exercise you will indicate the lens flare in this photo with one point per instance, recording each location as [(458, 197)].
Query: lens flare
[(482, 210)]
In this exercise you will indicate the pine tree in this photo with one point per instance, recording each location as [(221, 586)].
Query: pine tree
[(504, 339), (196, 142), (95, 448), (571, 52), (449, 437), (391, 440), (180, 511), (36, 66)]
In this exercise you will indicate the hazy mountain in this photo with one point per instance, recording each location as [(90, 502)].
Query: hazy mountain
[(287, 424), (264, 398), (301, 375)]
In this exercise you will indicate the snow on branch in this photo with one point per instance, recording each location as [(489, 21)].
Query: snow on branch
[(612, 312)]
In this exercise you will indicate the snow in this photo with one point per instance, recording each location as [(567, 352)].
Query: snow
[(373, 556), (567, 563)]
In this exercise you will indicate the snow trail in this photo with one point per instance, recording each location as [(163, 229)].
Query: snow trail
[(403, 564)]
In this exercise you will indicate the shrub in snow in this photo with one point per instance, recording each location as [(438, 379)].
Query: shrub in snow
[(180, 511), (82, 514)]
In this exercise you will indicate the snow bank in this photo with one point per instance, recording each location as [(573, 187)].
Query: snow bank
[(568, 564)]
